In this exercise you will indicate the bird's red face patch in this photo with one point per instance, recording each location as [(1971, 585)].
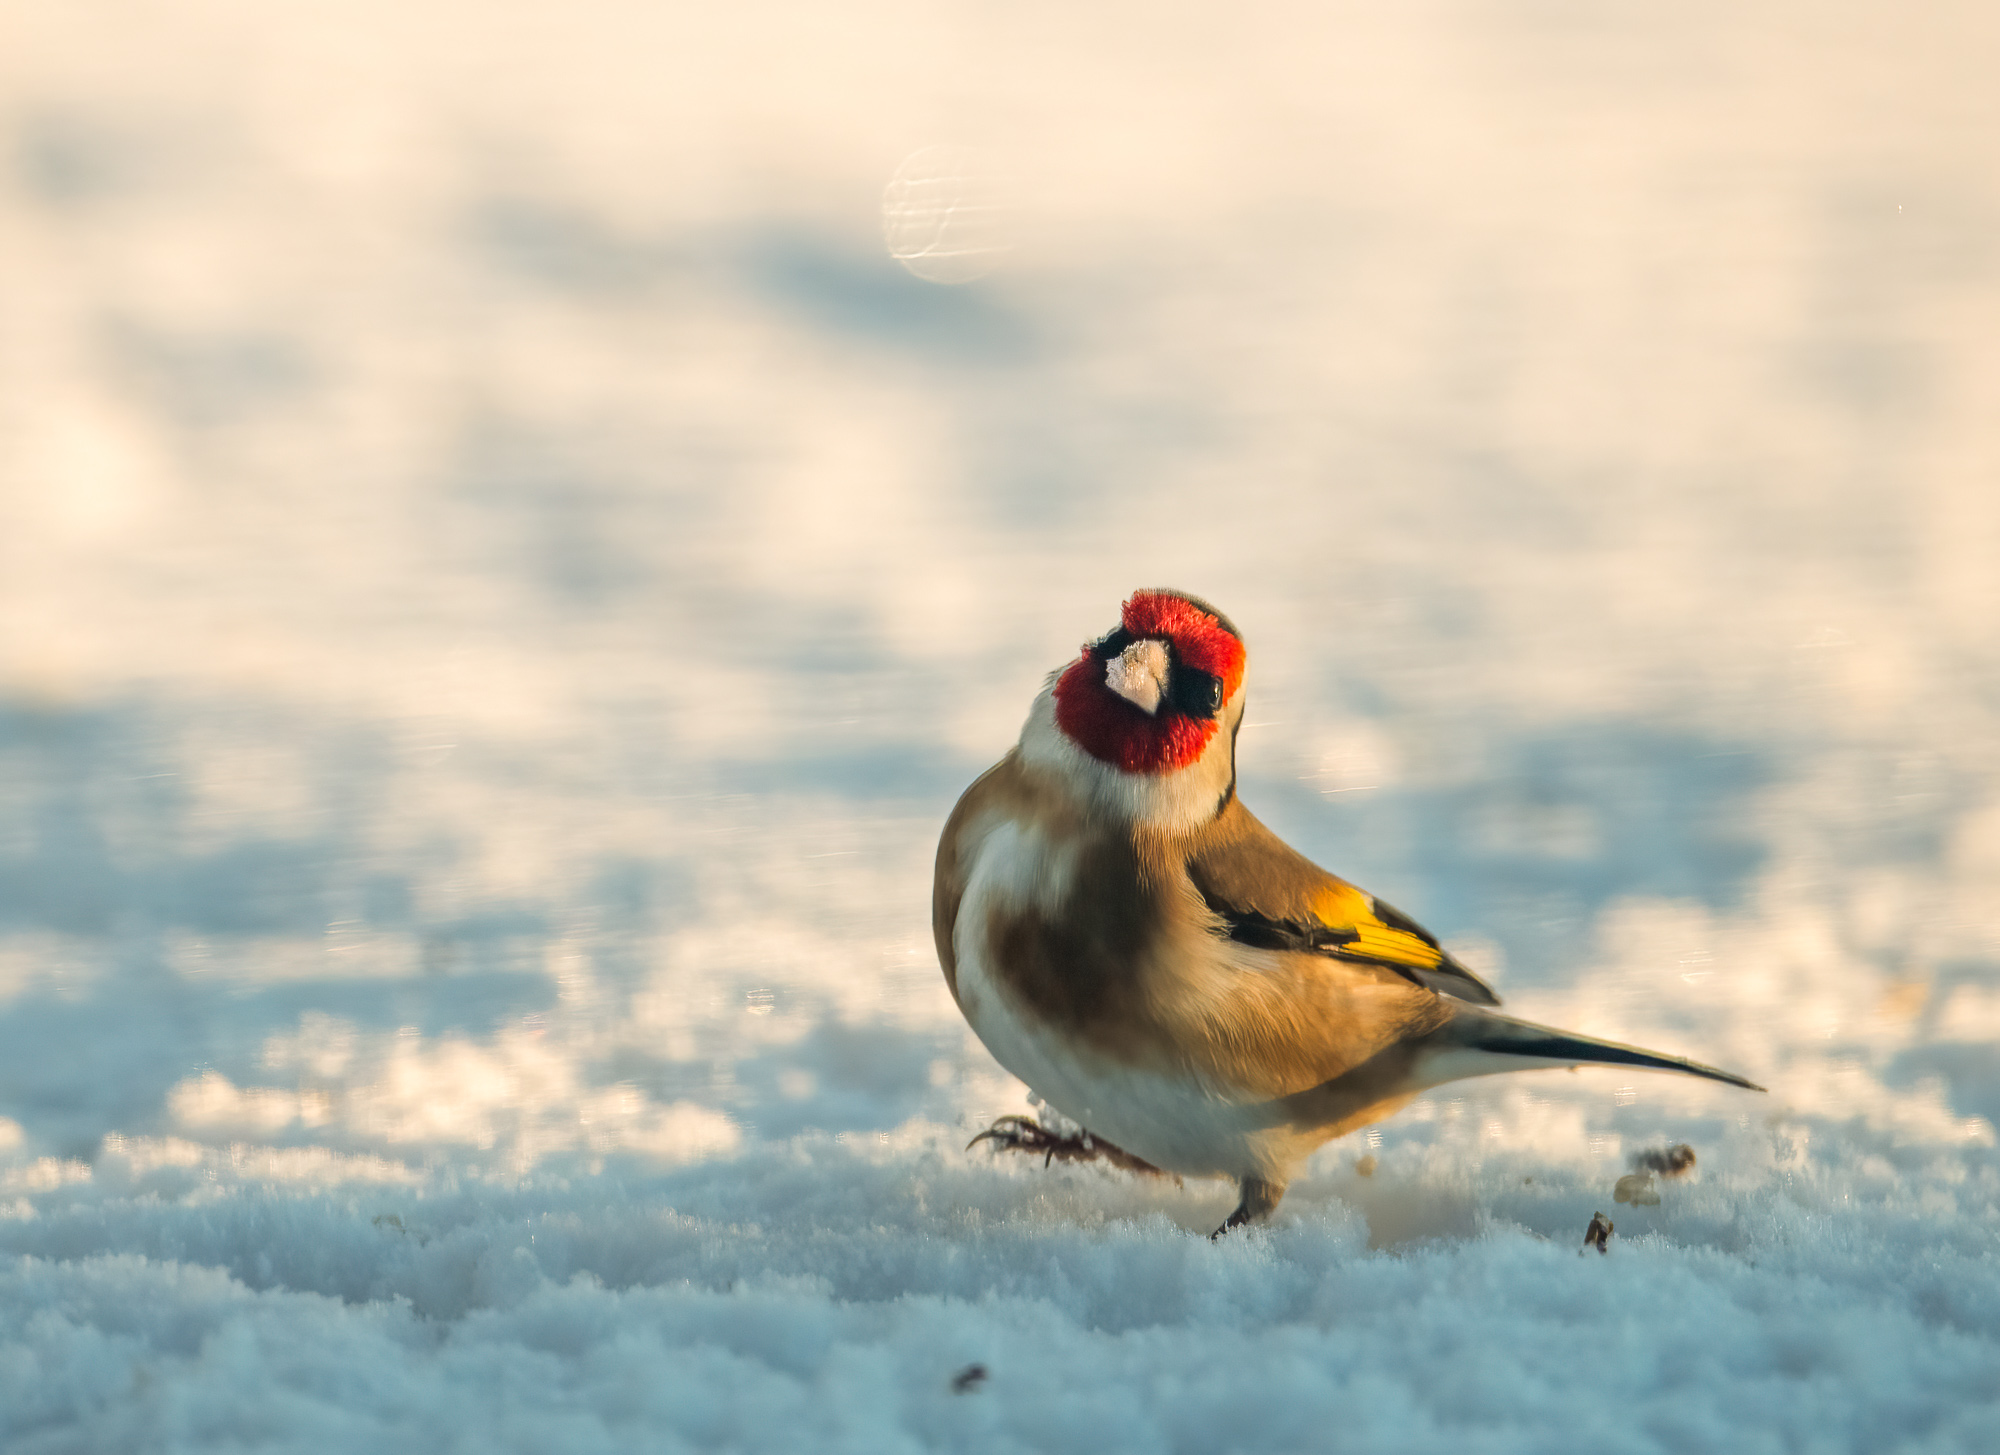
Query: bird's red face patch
[(1198, 634), (1203, 650)]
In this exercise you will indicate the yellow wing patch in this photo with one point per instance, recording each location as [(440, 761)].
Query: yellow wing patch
[(1393, 947), (1349, 911), (1267, 895)]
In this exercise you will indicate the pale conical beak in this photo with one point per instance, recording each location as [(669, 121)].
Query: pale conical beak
[(1139, 675)]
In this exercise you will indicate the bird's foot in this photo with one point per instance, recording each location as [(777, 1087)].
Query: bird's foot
[(1025, 1134), (1260, 1199), (1237, 1219)]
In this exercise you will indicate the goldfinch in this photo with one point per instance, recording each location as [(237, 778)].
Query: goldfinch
[(1166, 973)]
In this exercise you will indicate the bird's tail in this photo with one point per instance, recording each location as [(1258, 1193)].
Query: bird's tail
[(1479, 1043)]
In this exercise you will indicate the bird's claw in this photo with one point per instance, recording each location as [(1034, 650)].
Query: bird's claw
[(1025, 1134), (1260, 1198), (1234, 1220)]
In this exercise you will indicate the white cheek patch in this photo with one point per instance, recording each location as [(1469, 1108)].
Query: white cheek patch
[(1139, 675)]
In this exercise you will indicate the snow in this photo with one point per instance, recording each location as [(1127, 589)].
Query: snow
[(502, 578)]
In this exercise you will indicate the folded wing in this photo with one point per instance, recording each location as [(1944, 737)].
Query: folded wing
[(1266, 894)]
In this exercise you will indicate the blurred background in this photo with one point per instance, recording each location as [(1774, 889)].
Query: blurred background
[(503, 574)]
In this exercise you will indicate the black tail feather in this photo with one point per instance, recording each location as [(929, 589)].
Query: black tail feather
[(1503, 1036)]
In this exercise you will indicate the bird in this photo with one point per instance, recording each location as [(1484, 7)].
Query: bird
[(1184, 989)]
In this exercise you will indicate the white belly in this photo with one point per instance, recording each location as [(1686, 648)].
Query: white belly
[(1176, 1123)]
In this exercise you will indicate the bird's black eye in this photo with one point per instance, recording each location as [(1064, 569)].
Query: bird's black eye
[(1195, 693)]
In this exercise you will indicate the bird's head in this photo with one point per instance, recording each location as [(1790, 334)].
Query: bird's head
[(1142, 726), (1156, 691)]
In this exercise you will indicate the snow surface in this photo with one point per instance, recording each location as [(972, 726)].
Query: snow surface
[(501, 579)]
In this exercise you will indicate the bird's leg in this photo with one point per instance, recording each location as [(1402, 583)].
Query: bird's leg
[(1025, 1134), (1260, 1200)]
